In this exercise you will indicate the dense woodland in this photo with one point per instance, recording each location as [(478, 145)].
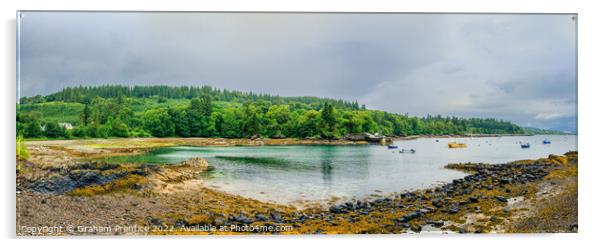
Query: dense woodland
[(164, 111)]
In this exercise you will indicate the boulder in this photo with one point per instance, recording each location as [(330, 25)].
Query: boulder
[(416, 228), (199, 163), (438, 223), (410, 216), (277, 217), (453, 210), (354, 137), (241, 219), (426, 210), (180, 223), (473, 199), (261, 217), (501, 199), (437, 203)]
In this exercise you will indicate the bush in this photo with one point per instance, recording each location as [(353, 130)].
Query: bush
[(22, 152), (79, 131), (119, 129), (139, 132), (54, 130)]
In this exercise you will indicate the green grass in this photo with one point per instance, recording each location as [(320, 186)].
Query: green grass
[(22, 152), (54, 111)]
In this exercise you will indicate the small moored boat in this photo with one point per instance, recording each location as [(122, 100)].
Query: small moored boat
[(546, 141), (392, 147), (407, 151), (525, 145), (456, 145)]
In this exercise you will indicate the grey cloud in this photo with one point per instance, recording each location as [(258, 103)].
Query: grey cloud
[(515, 67)]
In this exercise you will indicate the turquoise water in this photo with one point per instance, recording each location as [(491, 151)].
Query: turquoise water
[(290, 174)]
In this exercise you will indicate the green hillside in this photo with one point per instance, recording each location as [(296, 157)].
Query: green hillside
[(54, 111), (163, 111)]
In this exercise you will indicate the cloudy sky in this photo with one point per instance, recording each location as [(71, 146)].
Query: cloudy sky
[(520, 68)]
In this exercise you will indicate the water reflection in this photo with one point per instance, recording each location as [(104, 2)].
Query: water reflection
[(326, 162), (289, 173)]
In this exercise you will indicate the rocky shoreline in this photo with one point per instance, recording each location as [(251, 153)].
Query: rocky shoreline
[(486, 200), (413, 137), (173, 200)]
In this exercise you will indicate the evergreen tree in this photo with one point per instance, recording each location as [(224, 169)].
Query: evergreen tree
[(53, 130), (85, 115), (327, 122), (219, 122), (181, 122)]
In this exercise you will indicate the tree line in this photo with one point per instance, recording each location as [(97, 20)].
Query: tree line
[(83, 94), (142, 113)]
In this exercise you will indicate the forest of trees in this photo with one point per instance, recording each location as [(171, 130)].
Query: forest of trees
[(83, 94), (163, 111)]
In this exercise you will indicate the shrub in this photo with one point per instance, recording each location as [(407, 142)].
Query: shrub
[(22, 152)]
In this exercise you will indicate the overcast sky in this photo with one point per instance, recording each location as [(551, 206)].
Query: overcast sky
[(520, 68)]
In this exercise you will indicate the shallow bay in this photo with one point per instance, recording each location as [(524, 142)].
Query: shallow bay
[(296, 173)]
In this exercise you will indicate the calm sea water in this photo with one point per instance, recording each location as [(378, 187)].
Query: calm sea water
[(290, 174)]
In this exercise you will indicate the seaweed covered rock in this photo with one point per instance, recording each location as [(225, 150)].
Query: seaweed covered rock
[(74, 179), (185, 170), (195, 162)]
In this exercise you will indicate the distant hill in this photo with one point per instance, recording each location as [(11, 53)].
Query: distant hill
[(83, 94), (537, 131)]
